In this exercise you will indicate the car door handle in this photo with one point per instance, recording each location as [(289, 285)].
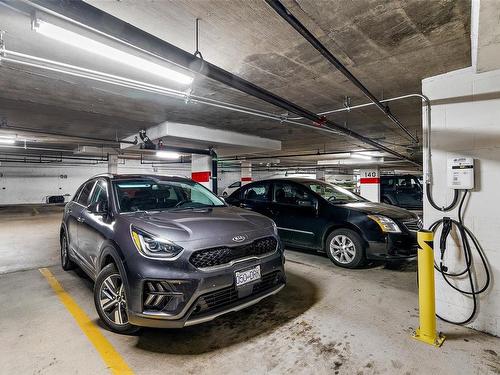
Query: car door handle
[(81, 219), (245, 206)]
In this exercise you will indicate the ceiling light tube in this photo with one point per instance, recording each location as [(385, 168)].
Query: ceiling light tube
[(168, 155), (7, 141), (360, 156), (68, 37)]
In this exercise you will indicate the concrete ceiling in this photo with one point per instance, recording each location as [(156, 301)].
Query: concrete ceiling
[(488, 48), (389, 45)]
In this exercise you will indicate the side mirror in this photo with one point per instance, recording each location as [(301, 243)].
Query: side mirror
[(99, 208)]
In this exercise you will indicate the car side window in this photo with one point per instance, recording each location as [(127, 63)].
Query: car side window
[(83, 198), (286, 193), (77, 194), (258, 192), (100, 193), (235, 184)]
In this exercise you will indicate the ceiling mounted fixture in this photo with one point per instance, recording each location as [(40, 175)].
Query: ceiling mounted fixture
[(7, 141), (361, 156), (71, 38), (168, 155)]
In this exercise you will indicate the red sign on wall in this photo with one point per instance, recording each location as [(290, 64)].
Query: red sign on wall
[(201, 176), (369, 180)]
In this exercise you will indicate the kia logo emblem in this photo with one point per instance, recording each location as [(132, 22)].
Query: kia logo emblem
[(239, 238)]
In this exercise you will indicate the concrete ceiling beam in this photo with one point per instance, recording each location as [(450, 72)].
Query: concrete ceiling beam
[(211, 137)]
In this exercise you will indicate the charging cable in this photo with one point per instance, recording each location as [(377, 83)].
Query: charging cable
[(466, 237)]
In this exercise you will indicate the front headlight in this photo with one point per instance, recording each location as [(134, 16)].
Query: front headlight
[(386, 224), (152, 246)]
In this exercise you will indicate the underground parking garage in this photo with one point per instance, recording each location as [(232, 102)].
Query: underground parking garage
[(261, 186)]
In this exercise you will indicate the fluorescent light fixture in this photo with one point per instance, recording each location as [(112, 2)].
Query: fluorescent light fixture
[(7, 141), (168, 154), (361, 156), (92, 46)]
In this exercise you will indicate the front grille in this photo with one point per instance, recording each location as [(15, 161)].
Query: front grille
[(227, 296), (222, 255), (414, 225)]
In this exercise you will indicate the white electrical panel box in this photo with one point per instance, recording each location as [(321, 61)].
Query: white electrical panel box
[(461, 173)]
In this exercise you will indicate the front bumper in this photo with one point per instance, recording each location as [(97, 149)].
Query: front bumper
[(205, 283), (145, 320), (393, 246)]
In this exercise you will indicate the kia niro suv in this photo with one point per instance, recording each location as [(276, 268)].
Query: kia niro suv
[(166, 252)]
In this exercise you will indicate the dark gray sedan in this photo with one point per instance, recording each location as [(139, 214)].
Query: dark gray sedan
[(166, 252)]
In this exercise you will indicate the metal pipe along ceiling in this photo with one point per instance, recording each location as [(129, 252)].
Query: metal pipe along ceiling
[(107, 25), (284, 13), (76, 71)]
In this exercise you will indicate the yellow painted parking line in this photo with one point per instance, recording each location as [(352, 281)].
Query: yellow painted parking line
[(108, 353)]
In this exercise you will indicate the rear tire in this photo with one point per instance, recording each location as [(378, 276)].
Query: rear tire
[(345, 248), (110, 301), (66, 263)]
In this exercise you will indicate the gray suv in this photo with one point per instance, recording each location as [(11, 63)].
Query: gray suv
[(167, 252)]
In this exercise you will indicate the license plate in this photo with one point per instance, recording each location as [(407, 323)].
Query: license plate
[(247, 276)]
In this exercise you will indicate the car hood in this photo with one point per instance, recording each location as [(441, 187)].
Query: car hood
[(215, 226), (373, 208)]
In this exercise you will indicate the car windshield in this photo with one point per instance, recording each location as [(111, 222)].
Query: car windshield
[(332, 193), (155, 195)]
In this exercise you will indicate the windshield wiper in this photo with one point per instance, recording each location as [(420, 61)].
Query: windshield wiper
[(342, 201), (191, 208)]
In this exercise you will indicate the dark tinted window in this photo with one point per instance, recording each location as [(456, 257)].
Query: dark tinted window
[(83, 198), (286, 193), (332, 193), (389, 182), (235, 184), (407, 182), (100, 192), (257, 192)]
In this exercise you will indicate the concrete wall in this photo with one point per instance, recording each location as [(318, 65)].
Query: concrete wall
[(31, 183), (466, 122)]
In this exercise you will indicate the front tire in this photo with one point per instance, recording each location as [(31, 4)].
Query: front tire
[(345, 248), (111, 302), (66, 263)]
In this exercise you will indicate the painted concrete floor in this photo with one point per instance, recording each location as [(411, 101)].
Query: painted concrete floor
[(327, 320)]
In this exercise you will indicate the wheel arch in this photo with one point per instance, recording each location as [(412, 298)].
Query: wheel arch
[(110, 253), (345, 225)]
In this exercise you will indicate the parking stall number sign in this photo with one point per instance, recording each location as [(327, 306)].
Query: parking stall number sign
[(369, 177)]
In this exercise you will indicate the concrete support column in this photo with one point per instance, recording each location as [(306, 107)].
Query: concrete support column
[(113, 164), (320, 175), (246, 172), (370, 184), (201, 170)]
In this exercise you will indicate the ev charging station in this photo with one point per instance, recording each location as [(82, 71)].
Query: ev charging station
[(461, 173), (460, 178)]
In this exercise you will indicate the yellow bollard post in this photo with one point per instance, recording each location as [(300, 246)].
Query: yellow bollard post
[(426, 331)]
